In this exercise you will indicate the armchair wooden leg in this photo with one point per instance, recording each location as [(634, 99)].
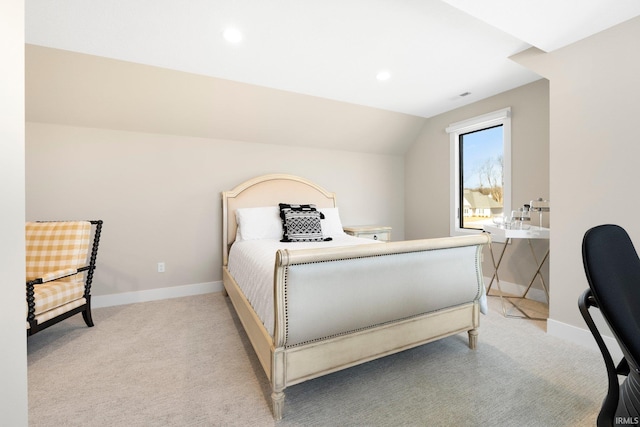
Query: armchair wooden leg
[(86, 313)]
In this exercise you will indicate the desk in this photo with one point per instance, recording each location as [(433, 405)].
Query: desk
[(507, 235)]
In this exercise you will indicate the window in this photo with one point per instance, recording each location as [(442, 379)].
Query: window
[(480, 170)]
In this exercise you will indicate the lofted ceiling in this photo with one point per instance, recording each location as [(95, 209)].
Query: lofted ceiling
[(433, 50)]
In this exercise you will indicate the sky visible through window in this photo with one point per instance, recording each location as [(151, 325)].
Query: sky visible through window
[(479, 148)]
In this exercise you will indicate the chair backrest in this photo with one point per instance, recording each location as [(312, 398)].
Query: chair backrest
[(612, 267), (52, 246)]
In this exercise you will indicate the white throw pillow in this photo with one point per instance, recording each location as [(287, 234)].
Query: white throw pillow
[(259, 223), (331, 224)]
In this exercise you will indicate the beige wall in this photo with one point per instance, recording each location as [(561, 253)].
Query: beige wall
[(594, 150), (13, 357), (159, 194), (149, 150), (427, 172)]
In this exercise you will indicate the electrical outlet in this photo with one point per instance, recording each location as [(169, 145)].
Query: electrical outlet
[(161, 267)]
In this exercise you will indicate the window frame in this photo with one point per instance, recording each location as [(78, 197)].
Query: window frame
[(484, 121)]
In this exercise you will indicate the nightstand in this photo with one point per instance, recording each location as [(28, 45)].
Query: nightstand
[(375, 232)]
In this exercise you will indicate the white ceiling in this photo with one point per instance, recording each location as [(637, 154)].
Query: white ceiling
[(435, 50)]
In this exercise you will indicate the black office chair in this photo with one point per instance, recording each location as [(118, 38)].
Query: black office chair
[(612, 267)]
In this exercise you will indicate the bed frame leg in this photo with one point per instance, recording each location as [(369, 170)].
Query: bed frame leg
[(473, 339), (277, 399)]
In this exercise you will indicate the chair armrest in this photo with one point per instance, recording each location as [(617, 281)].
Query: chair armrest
[(49, 277), (55, 275)]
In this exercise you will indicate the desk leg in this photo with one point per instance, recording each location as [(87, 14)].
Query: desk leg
[(496, 266), (495, 277), (537, 273)]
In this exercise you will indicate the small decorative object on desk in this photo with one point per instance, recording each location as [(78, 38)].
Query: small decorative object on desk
[(520, 218), (540, 205), (499, 220)]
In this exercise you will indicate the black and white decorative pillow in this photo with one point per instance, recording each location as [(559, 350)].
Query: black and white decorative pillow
[(301, 223)]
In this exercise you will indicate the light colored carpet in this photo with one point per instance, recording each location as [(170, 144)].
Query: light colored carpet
[(187, 362)]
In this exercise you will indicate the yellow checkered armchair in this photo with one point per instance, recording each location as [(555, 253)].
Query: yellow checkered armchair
[(61, 258)]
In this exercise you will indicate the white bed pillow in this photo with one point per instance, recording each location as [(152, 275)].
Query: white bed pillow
[(331, 224), (259, 223)]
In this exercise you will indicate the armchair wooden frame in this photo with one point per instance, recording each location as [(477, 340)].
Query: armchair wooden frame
[(85, 308)]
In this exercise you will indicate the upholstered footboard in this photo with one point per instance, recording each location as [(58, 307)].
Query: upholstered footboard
[(340, 307)]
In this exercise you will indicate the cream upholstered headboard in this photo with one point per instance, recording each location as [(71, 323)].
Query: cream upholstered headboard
[(268, 190)]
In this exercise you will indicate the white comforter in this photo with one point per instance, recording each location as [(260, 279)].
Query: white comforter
[(251, 262)]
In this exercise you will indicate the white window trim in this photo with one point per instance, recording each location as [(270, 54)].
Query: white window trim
[(500, 117)]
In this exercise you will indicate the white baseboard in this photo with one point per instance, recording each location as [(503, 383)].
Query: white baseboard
[(574, 334), (535, 294), (98, 301), (583, 337)]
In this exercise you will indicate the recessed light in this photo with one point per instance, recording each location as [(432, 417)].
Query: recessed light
[(383, 75), (232, 35)]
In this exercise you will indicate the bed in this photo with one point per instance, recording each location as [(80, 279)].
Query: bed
[(312, 308)]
